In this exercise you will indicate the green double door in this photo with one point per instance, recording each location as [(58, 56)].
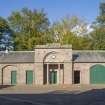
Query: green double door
[(97, 74), (29, 77), (53, 77), (13, 77)]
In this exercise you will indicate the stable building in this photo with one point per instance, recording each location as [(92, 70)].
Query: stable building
[(52, 64)]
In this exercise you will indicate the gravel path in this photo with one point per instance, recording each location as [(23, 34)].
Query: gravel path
[(53, 95)]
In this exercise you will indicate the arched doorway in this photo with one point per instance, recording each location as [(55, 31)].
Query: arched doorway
[(53, 72), (9, 75), (97, 74)]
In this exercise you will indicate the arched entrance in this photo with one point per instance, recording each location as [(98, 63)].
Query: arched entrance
[(97, 74), (9, 75), (53, 72)]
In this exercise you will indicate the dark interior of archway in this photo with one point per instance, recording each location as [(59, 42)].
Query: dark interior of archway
[(76, 77), (45, 74)]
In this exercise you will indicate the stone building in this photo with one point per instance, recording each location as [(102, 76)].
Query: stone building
[(52, 64)]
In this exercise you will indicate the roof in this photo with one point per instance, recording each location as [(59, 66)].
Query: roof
[(28, 56), (89, 56), (17, 57)]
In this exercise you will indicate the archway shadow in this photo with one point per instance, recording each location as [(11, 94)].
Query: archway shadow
[(89, 97), (5, 86)]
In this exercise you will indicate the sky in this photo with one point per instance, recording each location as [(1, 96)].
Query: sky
[(55, 9)]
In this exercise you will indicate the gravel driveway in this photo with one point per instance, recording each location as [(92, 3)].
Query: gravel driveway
[(91, 97)]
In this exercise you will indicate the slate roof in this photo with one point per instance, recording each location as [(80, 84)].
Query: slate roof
[(17, 57), (89, 56), (28, 56)]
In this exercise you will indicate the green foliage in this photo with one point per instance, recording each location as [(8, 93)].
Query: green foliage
[(30, 28), (97, 36), (98, 39), (71, 30), (3, 26), (101, 18), (5, 35)]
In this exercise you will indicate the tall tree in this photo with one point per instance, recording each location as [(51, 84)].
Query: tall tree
[(30, 27), (97, 39), (70, 30), (101, 18), (97, 36), (5, 35), (3, 26)]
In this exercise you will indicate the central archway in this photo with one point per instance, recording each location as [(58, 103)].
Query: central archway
[(53, 69)]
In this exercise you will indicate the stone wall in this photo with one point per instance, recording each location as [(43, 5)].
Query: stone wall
[(54, 54), (5, 72), (84, 69)]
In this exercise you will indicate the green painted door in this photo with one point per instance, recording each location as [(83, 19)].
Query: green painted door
[(29, 77), (97, 74), (53, 77), (13, 77)]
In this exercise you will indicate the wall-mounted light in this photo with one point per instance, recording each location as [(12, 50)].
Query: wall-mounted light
[(53, 56)]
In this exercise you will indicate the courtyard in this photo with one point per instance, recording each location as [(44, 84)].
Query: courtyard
[(53, 95), (52, 52)]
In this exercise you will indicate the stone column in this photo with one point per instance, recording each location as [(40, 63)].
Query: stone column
[(1, 76), (68, 73), (59, 72), (47, 73)]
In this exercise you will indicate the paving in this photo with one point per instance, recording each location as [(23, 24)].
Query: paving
[(53, 95)]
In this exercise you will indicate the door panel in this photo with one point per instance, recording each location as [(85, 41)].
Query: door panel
[(53, 77), (29, 77), (97, 74), (13, 77)]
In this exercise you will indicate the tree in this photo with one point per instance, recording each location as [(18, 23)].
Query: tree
[(101, 18), (97, 36), (71, 30), (5, 35), (97, 39), (30, 28)]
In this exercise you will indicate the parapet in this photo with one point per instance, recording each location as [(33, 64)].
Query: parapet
[(54, 46)]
